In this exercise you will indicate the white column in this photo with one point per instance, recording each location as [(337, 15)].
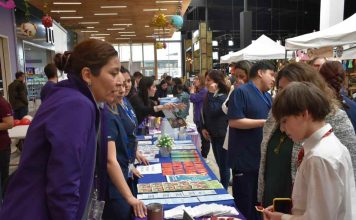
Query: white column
[(331, 13)]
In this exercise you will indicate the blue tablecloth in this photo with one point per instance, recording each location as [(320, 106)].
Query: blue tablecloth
[(152, 178)]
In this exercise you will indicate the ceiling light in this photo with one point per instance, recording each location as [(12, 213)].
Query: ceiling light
[(215, 43), (71, 17), (147, 26), (100, 34), (152, 36), (122, 38), (67, 3), (155, 9), (173, 1), (115, 29), (105, 14), (126, 32), (113, 6), (90, 27), (89, 22), (161, 29), (128, 35), (63, 11), (97, 37), (231, 43), (89, 31), (122, 24)]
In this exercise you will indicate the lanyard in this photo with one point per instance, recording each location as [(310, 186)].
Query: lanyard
[(129, 113), (262, 95)]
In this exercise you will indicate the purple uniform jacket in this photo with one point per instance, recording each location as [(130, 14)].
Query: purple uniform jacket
[(198, 100), (55, 174)]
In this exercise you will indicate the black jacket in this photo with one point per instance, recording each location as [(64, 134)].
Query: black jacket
[(141, 110), (214, 119), (18, 94)]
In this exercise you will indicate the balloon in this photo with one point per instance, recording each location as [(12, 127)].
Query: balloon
[(29, 117), (47, 21), (17, 122), (177, 21), (25, 121)]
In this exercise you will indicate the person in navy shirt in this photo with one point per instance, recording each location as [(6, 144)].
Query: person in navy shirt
[(51, 73), (249, 105), (55, 175)]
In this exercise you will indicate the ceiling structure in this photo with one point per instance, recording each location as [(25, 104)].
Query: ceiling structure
[(112, 20)]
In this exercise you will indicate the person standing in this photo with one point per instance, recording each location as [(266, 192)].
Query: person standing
[(198, 93), (18, 96), (51, 73), (62, 152), (6, 122), (249, 105)]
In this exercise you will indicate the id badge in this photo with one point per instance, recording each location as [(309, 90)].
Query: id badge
[(96, 209)]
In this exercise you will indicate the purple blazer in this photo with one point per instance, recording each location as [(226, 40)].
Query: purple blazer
[(198, 100), (55, 174)]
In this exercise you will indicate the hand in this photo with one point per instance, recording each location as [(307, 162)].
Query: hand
[(168, 106), (138, 207), (213, 87), (206, 134), (181, 106), (268, 214), (136, 173), (141, 158), (192, 89)]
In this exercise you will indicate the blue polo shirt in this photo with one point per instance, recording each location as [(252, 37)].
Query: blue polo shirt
[(246, 101), (116, 132)]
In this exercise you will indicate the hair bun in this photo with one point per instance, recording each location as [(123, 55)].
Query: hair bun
[(62, 60)]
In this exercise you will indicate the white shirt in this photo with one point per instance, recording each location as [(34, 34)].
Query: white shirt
[(324, 187)]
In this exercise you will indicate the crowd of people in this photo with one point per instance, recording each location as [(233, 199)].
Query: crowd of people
[(79, 155)]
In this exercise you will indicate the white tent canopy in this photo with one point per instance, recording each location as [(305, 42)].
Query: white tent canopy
[(264, 48), (340, 34)]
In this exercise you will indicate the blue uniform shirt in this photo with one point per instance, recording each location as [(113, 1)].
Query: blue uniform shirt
[(244, 144)]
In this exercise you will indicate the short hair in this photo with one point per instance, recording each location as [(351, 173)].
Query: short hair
[(137, 74), (19, 74), (168, 78), (298, 97), (261, 65), (124, 70), (50, 70)]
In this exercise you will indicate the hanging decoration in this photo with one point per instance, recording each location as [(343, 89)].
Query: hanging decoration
[(47, 20), (29, 29), (161, 45), (8, 4), (160, 21), (177, 20)]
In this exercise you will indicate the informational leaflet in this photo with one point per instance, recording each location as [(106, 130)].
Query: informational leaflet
[(150, 169), (184, 194), (187, 177), (217, 197), (144, 142), (172, 201), (178, 186)]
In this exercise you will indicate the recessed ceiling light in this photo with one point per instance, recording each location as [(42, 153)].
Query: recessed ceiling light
[(89, 31), (63, 11), (147, 26), (126, 32), (155, 9), (128, 35), (97, 37), (161, 29), (105, 14), (71, 17), (100, 34), (89, 22), (173, 1), (114, 6), (90, 27), (121, 24), (152, 36), (67, 3), (115, 29), (122, 38)]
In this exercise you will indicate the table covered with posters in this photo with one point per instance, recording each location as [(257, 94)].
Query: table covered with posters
[(183, 178)]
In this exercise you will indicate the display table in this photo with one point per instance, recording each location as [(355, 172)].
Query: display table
[(154, 178), (18, 132)]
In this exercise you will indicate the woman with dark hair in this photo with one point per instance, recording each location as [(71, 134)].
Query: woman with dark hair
[(142, 103), (279, 154), (198, 93), (62, 157), (162, 90), (215, 121), (334, 75)]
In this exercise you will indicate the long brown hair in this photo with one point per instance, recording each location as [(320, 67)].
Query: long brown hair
[(218, 77)]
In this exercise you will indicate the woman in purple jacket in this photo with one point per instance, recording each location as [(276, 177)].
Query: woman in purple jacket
[(55, 176), (197, 95)]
